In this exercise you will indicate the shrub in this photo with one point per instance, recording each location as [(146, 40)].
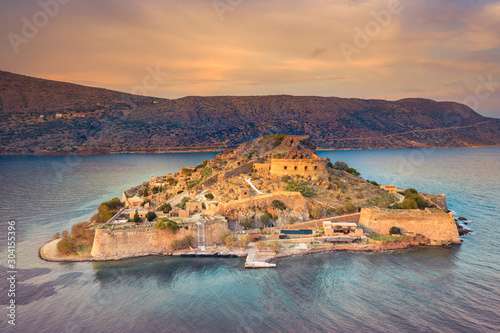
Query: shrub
[(56, 235), (278, 204), (296, 186), (265, 219), (165, 208), (65, 233), (107, 210), (170, 181), (410, 192), (244, 240), (187, 172), (183, 202), (172, 226), (275, 246), (206, 172), (247, 224), (136, 218), (349, 207), (146, 201), (353, 171), (339, 210), (261, 246), (394, 231), (278, 139), (229, 238), (373, 183), (317, 212), (339, 165), (286, 179), (209, 196), (66, 246), (150, 216), (82, 234), (183, 243)]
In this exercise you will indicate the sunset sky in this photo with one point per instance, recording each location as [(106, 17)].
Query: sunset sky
[(443, 50)]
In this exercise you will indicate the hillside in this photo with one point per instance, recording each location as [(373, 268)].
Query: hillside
[(47, 117)]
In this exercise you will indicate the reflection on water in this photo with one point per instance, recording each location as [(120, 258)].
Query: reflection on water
[(418, 290)]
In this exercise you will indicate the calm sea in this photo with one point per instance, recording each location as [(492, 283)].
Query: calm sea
[(420, 290)]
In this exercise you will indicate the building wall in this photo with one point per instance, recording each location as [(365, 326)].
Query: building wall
[(319, 223), (143, 241), (303, 167), (262, 167), (293, 200), (440, 228)]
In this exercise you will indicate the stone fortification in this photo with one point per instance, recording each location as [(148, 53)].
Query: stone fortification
[(438, 227), (126, 243), (293, 200), (319, 223), (303, 167)]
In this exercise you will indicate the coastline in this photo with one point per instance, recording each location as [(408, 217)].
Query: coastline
[(48, 251), (205, 150)]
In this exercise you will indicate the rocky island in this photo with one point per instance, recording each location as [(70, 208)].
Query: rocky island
[(268, 198)]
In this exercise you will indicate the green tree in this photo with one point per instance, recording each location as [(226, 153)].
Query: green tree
[(265, 219), (353, 171), (394, 231), (339, 165), (150, 216), (165, 208), (317, 212), (349, 207), (296, 186), (209, 196), (246, 224), (172, 226)]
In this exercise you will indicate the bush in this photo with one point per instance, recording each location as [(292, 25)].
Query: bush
[(339, 210), (349, 207), (275, 246), (172, 226), (410, 192), (170, 181), (265, 219), (229, 238), (353, 171), (373, 183), (278, 204), (183, 202), (339, 165), (150, 216), (209, 196), (183, 243), (394, 231), (145, 201), (82, 234), (136, 218), (107, 210), (296, 186), (244, 240), (278, 139), (206, 172), (56, 235), (165, 208), (247, 224), (66, 246), (261, 246), (286, 179), (317, 212)]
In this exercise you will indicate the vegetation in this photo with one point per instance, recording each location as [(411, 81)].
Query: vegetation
[(339, 165), (347, 208), (412, 200), (297, 186), (107, 210), (150, 216), (187, 172), (286, 179), (275, 246), (278, 139), (146, 201), (278, 204), (244, 240), (209, 196), (185, 242), (316, 212), (81, 238), (353, 171), (165, 223), (206, 172), (182, 204), (395, 231), (170, 181), (229, 238), (247, 224), (165, 208), (136, 218), (265, 219)]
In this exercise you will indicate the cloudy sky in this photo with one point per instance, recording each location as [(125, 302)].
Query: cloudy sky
[(385, 49)]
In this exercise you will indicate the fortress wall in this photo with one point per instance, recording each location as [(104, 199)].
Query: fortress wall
[(143, 241), (440, 228), (293, 200), (303, 167), (319, 223), (239, 170)]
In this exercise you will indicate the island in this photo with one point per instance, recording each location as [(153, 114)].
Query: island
[(269, 198)]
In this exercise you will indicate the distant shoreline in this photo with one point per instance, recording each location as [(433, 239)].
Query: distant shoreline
[(203, 150)]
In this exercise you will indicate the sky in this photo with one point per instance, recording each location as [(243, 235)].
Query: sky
[(381, 49)]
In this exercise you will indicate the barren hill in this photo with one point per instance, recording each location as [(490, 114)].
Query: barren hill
[(42, 116)]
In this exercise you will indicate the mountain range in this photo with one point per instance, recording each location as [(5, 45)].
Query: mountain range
[(49, 117)]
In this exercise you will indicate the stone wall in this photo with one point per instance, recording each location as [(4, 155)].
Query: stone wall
[(293, 200), (303, 167), (319, 223), (125, 243), (439, 227)]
